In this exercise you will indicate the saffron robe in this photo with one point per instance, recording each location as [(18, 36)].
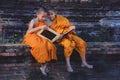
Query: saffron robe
[(61, 25), (41, 49)]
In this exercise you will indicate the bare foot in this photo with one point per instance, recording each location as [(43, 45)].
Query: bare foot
[(69, 69), (47, 70), (43, 71), (87, 65)]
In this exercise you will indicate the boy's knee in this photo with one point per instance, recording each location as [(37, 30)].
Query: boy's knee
[(68, 52)]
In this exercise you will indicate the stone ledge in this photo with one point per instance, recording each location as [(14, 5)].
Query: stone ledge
[(89, 44), (93, 48), (14, 49), (103, 47)]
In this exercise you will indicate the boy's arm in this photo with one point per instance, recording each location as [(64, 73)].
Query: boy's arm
[(31, 29), (71, 28)]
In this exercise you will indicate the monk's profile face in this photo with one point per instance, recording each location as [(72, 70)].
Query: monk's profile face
[(41, 16), (52, 15)]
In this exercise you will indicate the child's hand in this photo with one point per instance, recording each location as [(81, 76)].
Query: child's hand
[(60, 37), (72, 27), (45, 28)]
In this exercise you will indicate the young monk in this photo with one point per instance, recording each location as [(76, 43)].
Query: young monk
[(61, 25), (41, 49)]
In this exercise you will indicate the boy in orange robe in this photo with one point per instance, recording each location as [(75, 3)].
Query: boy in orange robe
[(41, 49), (61, 25)]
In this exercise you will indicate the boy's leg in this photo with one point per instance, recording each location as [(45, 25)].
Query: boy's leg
[(68, 48), (81, 48), (68, 65), (85, 64), (43, 68)]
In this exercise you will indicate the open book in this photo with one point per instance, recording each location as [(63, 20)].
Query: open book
[(50, 34)]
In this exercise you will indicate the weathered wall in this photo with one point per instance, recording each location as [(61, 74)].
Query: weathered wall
[(14, 16)]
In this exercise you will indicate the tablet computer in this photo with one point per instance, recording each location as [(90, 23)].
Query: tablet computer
[(49, 34)]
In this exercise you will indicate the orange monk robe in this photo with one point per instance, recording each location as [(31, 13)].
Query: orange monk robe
[(41, 49), (71, 41)]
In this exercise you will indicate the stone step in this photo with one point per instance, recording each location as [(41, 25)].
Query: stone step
[(30, 71), (93, 47)]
